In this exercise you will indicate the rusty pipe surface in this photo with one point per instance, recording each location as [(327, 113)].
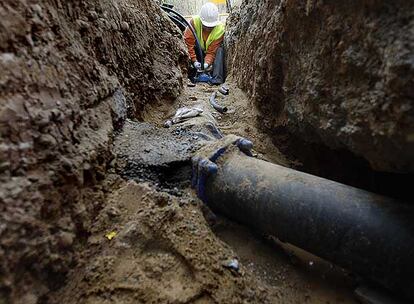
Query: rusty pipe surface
[(369, 234)]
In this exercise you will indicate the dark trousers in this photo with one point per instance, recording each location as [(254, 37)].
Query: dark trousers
[(218, 72)]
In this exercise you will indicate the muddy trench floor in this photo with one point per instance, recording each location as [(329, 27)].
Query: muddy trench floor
[(155, 241)]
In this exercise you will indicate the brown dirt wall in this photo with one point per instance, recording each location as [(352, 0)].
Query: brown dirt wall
[(335, 74), (70, 72)]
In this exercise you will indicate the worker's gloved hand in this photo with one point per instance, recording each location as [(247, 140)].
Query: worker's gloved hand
[(206, 65), (197, 65), (208, 68)]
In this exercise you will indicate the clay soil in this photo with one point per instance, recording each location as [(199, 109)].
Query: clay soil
[(155, 242)]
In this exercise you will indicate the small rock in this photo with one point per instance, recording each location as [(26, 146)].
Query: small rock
[(114, 26), (7, 57), (37, 9), (25, 146), (132, 234), (50, 36), (15, 191), (42, 119), (113, 212), (168, 124), (93, 15), (4, 166), (119, 109), (65, 239), (56, 115), (66, 164), (232, 264), (82, 24), (33, 178), (125, 26), (29, 40), (47, 140)]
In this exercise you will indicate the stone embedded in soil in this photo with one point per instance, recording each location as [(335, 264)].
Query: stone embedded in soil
[(66, 239)]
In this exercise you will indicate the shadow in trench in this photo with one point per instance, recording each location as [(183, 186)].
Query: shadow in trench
[(291, 274), (343, 166)]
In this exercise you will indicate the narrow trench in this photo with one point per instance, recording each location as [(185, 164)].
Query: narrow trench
[(280, 267), (289, 273), (93, 215)]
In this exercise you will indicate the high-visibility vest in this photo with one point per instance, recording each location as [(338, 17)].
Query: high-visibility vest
[(215, 34)]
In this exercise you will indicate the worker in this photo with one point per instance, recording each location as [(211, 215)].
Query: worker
[(210, 34)]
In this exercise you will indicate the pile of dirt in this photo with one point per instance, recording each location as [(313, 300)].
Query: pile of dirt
[(71, 70), (336, 74), (163, 252)]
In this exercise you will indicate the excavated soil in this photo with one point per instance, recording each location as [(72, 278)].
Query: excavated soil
[(95, 197), (168, 247)]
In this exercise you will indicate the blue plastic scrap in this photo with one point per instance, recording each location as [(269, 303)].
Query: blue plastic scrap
[(203, 77)]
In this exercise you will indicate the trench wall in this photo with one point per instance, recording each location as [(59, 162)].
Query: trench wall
[(335, 74), (71, 72)]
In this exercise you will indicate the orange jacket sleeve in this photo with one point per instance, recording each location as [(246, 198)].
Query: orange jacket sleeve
[(190, 42), (211, 52)]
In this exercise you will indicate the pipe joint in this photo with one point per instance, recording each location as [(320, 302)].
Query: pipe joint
[(204, 164)]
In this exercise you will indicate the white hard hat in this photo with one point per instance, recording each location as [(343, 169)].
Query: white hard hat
[(209, 15)]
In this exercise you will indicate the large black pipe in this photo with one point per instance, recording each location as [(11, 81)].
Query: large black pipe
[(371, 235)]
